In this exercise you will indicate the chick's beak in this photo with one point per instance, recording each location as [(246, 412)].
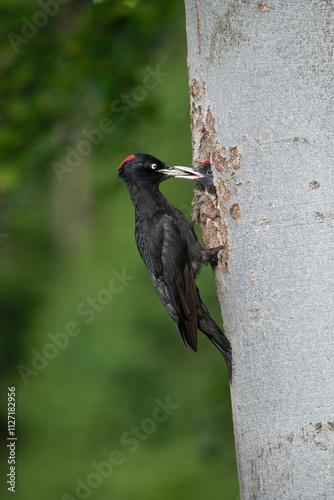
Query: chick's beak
[(182, 173)]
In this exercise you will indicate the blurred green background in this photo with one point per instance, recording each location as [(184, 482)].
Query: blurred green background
[(65, 229)]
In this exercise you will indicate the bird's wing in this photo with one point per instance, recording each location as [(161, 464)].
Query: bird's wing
[(168, 262)]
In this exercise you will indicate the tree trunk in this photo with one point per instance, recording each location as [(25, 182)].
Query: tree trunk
[(261, 87)]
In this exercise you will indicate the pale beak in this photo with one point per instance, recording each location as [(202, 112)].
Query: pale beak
[(182, 173)]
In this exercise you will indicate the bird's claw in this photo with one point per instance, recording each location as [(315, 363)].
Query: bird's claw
[(220, 254)]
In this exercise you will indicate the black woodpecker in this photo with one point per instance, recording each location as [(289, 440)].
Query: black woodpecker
[(170, 249), (207, 177)]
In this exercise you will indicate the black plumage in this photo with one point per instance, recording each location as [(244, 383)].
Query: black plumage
[(170, 249), (207, 176)]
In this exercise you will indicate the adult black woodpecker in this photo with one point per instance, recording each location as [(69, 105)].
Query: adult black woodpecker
[(170, 249)]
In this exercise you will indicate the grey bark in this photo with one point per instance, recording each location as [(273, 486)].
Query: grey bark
[(261, 87)]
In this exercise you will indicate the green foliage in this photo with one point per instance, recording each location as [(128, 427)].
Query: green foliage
[(68, 72), (63, 241)]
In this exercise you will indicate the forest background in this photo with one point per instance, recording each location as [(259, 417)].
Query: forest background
[(100, 374)]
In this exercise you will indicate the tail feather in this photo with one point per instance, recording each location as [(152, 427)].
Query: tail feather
[(214, 333)]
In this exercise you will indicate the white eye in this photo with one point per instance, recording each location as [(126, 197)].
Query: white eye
[(153, 166)]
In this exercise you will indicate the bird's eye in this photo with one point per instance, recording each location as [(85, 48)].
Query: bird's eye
[(153, 166), (209, 172)]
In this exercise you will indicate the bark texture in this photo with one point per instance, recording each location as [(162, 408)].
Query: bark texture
[(261, 88)]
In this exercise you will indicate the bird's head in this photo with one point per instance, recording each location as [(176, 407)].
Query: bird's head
[(143, 167), (207, 175)]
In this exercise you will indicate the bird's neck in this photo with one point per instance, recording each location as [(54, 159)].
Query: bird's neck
[(147, 197)]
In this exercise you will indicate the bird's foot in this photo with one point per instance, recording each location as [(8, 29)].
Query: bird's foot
[(220, 254), (213, 255)]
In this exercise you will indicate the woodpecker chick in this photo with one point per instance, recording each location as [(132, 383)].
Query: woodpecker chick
[(202, 186), (206, 211), (170, 249), (206, 181)]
